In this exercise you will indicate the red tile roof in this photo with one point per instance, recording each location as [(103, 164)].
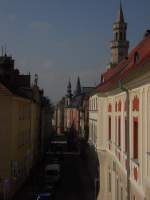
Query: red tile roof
[(120, 72)]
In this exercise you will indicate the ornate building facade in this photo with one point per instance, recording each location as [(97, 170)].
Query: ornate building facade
[(76, 111), (127, 77), (72, 111)]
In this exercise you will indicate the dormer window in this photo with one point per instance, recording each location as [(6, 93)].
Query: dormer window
[(102, 79), (136, 57)]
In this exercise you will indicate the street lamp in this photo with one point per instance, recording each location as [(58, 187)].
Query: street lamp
[(127, 136)]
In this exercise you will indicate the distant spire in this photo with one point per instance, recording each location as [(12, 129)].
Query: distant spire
[(120, 17), (78, 87), (35, 79), (69, 92), (5, 50), (2, 51)]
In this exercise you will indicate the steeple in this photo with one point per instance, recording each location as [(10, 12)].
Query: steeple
[(119, 45), (120, 17), (78, 87), (68, 97), (69, 92)]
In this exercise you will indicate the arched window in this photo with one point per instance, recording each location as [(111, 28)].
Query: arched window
[(119, 131), (121, 36), (109, 108), (119, 106), (116, 36), (124, 36), (109, 127), (135, 104), (116, 107)]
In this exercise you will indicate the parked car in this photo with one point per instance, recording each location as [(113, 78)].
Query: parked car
[(52, 174)]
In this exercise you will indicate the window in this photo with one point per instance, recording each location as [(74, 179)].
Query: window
[(125, 137), (116, 130), (136, 57), (135, 138), (109, 128), (117, 190), (121, 36), (116, 107), (119, 106), (109, 108), (96, 104), (116, 36), (121, 193), (124, 36), (119, 131), (135, 104), (109, 182)]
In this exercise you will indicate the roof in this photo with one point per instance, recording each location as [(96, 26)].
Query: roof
[(4, 90), (136, 58), (87, 90)]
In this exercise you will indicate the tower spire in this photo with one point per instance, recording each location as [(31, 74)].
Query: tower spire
[(2, 51), (120, 17), (78, 87), (119, 45), (5, 50), (69, 92)]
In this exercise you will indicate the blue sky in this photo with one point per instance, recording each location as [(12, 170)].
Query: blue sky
[(61, 39)]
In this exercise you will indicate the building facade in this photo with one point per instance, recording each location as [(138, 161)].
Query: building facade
[(77, 110), (20, 127), (129, 75)]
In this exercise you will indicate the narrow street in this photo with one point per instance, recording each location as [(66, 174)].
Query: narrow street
[(75, 183)]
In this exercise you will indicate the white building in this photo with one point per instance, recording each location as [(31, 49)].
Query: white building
[(107, 119)]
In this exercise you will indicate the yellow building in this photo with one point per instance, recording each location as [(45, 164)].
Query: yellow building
[(19, 139)]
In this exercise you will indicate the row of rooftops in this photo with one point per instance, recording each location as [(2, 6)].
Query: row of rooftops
[(138, 56), (12, 82)]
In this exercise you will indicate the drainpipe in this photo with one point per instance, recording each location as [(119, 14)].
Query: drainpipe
[(127, 135)]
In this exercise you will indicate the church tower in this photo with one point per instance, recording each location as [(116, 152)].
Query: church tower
[(119, 45)]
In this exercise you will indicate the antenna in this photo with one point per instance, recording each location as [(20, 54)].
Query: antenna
[(5, 50), (2, 50)]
